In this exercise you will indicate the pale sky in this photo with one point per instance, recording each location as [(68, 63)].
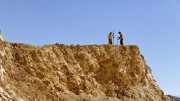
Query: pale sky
[(153, 25)]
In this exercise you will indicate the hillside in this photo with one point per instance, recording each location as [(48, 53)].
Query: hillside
[(174, 98), (75, 73)]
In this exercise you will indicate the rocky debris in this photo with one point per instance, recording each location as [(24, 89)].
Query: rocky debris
[(76, 73)]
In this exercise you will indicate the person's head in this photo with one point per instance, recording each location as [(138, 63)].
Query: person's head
[(110, 33), (119, 32)]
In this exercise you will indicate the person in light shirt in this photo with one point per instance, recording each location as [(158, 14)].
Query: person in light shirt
[(110, 36)]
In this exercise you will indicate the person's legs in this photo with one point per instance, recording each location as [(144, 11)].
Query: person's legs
[(110, 41), (121, 42)]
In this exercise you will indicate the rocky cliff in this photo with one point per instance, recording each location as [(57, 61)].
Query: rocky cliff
[(75, 73)]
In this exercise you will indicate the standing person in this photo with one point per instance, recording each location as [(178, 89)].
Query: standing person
[(110, 38), (121, 38)]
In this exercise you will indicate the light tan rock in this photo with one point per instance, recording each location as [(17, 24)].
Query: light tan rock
[(77, 73), (1, 37)]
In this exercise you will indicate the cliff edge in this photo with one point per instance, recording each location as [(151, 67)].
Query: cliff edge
[(75, 73)]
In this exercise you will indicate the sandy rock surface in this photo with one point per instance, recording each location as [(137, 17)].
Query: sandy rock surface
[(75, 73), (1, 37)]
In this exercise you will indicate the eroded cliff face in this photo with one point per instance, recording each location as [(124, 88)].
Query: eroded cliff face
[(75, 73)]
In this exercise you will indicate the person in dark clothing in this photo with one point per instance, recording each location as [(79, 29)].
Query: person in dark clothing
[(121, 38)]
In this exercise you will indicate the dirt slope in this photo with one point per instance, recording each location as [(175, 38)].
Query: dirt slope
[(75, 73)]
